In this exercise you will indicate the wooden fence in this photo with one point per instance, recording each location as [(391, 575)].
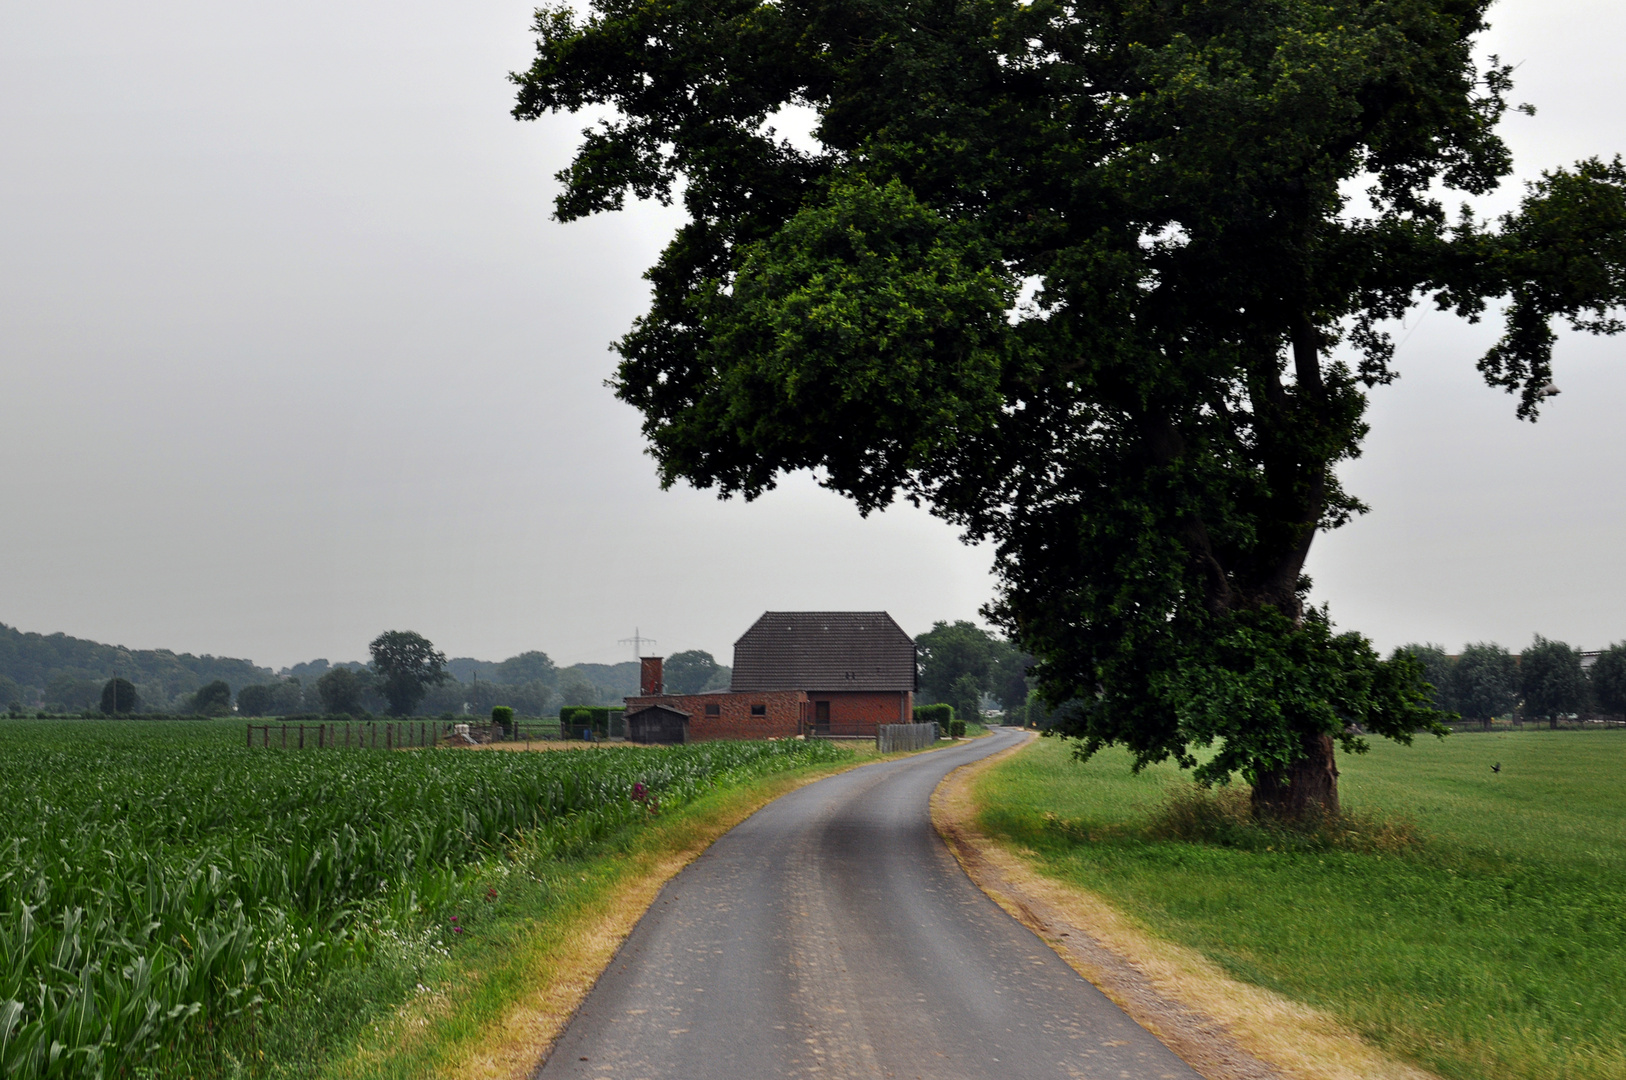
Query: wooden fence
[(396, 734), (890, 737), (360, 734)]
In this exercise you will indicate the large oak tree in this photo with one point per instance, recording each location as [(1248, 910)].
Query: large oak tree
[(1073, 275)]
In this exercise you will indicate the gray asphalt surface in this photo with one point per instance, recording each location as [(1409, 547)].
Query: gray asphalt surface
[(832, 934)]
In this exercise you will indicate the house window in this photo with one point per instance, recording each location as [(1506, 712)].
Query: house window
[(759, 710), (714, 710), (821, 712)]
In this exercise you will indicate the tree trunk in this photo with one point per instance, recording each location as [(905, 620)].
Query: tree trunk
[(1552, 722), (1309, 785)]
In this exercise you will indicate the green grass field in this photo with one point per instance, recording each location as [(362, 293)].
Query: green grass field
[(1496, 948), (173, 904)]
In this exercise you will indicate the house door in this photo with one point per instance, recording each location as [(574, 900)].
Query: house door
[(821, 717)]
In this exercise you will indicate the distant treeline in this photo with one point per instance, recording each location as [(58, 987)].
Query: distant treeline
[(61, 674), (68, 673), (1548, 681)]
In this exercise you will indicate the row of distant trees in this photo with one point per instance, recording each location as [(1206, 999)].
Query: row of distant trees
[(408, 675), (963, 665), (1545, 682)]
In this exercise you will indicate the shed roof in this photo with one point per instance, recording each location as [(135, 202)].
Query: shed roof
[(658, 707), (824, 650)]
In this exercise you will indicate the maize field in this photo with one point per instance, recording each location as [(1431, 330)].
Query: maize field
[(158, 879)]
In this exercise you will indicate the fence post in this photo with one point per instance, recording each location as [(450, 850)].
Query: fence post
[(251, 736), (285, 736)]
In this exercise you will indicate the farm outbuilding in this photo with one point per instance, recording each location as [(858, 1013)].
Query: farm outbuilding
[(829, 673), (658, 724)]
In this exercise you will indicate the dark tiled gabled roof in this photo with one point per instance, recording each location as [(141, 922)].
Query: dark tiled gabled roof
[(824, 650)]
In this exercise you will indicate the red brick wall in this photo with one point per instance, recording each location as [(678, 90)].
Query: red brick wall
[(866, 708), (734, 720)]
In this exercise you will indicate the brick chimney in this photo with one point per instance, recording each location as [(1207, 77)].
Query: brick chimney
[(650, 679)]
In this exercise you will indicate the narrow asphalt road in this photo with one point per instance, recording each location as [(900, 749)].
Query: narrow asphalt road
[(832, 934)]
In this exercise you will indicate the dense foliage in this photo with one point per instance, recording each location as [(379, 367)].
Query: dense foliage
[(960, 662), (1485, 681), (119, 696), (160, 880), (1551, 680), (405, 665), (1072, 272), (1608, 678), (693, 670), (82, 667)]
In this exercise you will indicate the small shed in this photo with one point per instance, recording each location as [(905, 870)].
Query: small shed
[(658, 724)]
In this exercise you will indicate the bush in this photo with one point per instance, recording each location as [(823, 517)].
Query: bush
[(503, 717), (956, 729), (941, 715)]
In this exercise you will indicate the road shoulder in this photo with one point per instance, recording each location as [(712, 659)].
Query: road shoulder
[(1224, 1029)]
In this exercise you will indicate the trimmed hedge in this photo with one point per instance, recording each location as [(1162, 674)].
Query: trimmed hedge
[(941, 715), (584, 718)]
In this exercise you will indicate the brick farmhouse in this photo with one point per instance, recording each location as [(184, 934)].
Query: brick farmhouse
[(837, 673)]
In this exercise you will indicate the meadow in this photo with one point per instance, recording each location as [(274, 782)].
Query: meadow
[(166, 894), (1474, 923)]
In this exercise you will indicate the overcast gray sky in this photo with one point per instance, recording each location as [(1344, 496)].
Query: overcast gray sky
[(291, 353)]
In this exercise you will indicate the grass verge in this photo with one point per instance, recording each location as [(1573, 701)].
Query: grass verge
[(532, 947), (1484, 938)]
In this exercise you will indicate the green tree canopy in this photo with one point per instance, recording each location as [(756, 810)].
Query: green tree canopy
[(343, 691), (254, 700), (259, 700), (1485, 681), (1436, 671), (533, 666), (119, 697), (406, 664), (577, 689), (67, 691), (212, 699), (1008, 679), (1608, 677), (951, 652), (1551, 679), (690, 671), (965, 694), (1150, 438)]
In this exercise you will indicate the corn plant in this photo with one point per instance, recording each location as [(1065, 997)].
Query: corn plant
[(159, 879)]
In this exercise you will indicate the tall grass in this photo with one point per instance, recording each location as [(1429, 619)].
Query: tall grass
[(1225, 816), (1473, 923), (159, 881)]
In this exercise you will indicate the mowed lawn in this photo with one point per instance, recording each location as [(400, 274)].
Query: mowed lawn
[(1495, 948)]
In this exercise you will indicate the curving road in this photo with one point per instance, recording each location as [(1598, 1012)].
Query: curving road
[(832, 934)]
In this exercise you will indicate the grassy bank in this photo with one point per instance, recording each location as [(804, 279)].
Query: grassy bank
[(1492, 946)]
